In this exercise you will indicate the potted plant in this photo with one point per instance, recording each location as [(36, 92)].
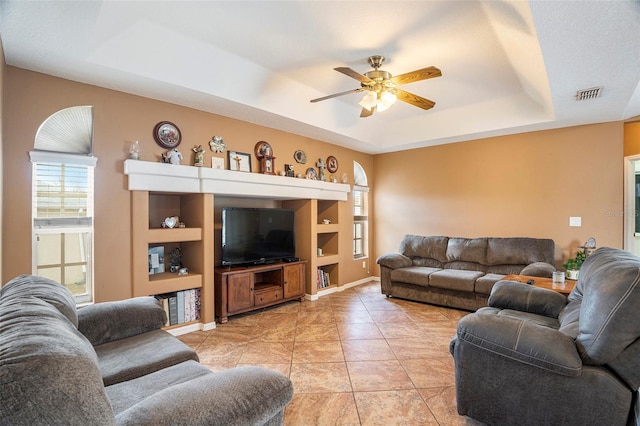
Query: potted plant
[(573, 265)]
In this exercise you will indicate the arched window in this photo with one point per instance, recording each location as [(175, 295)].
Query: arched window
[(360, 212), (62, 200)]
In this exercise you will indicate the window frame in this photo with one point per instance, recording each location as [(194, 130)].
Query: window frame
[(65, 225)]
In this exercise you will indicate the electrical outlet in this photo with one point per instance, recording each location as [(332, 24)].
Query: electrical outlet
[(364, 264), (575, 221)]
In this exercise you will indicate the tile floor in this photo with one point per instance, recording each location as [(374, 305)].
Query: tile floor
[(355, 357)]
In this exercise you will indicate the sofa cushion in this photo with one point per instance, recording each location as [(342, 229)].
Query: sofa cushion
[(506, 269), (433, 247), (519, 251), (48, 371), (467, 250), (125, 395), (454, 279), (44, 289), (417, 275), (485, 283), (136, 356), (609, 321)]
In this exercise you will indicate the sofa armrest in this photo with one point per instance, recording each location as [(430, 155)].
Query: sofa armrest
[(394, 260), (238, 396), (109, 321), (526, 298), (539, 269), (522, 341)]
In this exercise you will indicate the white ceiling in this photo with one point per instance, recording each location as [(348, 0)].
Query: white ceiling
[(507, 66)]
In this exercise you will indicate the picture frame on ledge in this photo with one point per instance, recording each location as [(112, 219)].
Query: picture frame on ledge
[(239, 161)]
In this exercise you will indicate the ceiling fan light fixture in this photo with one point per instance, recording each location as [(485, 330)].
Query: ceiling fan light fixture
[(386, 99), (370, 100)]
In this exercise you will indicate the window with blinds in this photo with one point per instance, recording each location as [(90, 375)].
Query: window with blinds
[(62, 202), (360, 222)]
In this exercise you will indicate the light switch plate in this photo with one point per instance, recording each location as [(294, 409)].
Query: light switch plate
[(575, 221)]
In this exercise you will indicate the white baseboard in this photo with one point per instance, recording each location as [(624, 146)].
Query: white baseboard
[(178, 331), (331, 290)]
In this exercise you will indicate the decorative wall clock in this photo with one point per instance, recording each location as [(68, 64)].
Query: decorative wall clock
[(167, 135)]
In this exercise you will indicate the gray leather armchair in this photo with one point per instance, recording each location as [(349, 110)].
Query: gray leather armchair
[(533, 357)]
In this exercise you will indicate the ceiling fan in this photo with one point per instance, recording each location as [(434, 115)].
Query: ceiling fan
[(382, 88)]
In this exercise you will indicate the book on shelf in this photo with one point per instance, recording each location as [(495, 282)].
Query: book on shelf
[(323, 279), (181, 306)]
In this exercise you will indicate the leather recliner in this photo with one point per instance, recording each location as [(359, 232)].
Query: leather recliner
[(533, 357)]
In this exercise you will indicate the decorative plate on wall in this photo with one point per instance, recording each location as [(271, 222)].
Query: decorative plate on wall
[(311, 174), (300, 157), (217, 144), (167, 135)]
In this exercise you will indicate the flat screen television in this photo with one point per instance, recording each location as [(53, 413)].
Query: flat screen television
[(253, 236)]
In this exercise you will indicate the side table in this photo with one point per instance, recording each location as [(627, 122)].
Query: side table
[(544, 283)]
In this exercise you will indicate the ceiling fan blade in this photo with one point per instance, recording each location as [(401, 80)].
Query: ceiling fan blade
[(414, 99), (351, 73), (359, 89), (367, 113), (410, 77)]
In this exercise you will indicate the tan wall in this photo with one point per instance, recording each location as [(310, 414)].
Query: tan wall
[(120, 118), (519, 185), (631, 138)]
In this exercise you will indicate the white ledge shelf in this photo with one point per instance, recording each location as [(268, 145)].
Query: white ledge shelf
[(162, 177)]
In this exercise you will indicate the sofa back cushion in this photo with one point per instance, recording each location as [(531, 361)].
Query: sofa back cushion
[(609, 286), (417, 246), (519, 251), (48, 370), (467, 250), (44, 289)]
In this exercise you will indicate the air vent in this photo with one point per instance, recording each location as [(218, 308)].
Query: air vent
[(585, 94)]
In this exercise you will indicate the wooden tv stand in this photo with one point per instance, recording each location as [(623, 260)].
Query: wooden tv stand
[(245, 289)]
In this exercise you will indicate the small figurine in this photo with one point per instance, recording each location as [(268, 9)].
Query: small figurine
[(176, 259), (173, 157), (321, 166), (199, 158)]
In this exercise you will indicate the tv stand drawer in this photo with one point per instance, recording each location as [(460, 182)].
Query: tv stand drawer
[(268, 296)]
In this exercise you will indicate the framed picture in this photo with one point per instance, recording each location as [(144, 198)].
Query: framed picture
[(156, 260), (239, 161), (217, 163), (167, 135), (332, 164)]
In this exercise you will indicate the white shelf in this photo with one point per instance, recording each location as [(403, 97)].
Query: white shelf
[(162, 177)]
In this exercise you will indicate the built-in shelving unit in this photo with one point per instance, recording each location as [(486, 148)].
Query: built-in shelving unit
[(161, 190)]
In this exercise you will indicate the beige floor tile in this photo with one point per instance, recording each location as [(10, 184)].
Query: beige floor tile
[(416, 347), (378, 375), (316, 332), (353, 317), (269, 352), (401, 330), (389, 316), (367, 350), (431, 372), (280, 332), (223, 352), (403, 407), (315, 318), (442, 403), (281, 368), (318, 351), (355, 357), (351, 331), (320, 377), (337, 409)]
